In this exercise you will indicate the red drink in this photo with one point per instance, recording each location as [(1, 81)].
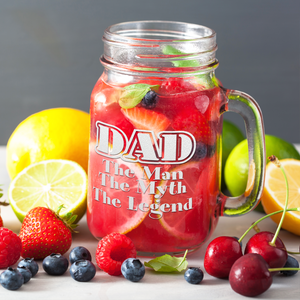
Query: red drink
[(163, 192)]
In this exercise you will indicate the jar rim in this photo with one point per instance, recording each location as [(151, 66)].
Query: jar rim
[(135, 32)]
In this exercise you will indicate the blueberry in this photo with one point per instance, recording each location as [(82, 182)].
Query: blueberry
[(201, 151), (83, 270), (150, 100), (55, 264), (11, 279), (193, 275), (290, 263), (31, 264), (132, 269), (79, 253), (26, 273)]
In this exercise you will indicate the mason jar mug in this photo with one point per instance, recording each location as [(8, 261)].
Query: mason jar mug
[(155, 139)]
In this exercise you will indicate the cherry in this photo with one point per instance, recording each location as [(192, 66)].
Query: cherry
[(260, 243), (249, 275), (220, 255)]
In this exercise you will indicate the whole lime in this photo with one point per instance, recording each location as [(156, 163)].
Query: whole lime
[(231, 136), (236, 167)]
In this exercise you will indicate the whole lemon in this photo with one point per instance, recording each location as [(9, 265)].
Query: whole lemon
[(236, 167), (56, 133)]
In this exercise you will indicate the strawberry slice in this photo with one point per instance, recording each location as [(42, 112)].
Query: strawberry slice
[(197, 124), (146, 119)]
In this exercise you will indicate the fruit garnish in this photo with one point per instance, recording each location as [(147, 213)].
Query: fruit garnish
[(290, 263), (31, 264), (145, 119), (79, 253), (56, 133), (186, 223), (112, 250), (132, 269), (11, 279), (220, 255), (197, 124), (193, 275), (27, 275), (44, 232), (175, 86), (110, 203), (55, 264), (149, 100), (133, 94), (274, 193), (83, 270), (10, 248), (249, 275), (167, 263), (49, 183)]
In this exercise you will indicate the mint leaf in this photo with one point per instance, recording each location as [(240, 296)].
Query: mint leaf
[(169, 50), (134, 93), (168, 263)]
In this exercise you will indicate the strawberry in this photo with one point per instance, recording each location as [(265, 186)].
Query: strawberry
[(43, 232), (195, 123), (146, 119)]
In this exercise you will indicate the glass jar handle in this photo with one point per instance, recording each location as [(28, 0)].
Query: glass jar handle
[(247, 107)]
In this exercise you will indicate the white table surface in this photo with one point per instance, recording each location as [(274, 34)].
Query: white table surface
[(153, 285)]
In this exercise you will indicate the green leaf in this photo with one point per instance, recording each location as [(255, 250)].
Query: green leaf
[(168, 263), (169, 50), (134, 93)]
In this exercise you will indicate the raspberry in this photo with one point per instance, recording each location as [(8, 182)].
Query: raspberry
[(112, 250), (1, 222), (10, 248), (175, 86)]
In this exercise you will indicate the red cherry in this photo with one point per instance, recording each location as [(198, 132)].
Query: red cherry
[(220, 255), (275, 256), (249, 275)]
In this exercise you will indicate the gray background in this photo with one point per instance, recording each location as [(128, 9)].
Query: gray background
[(49, 52)]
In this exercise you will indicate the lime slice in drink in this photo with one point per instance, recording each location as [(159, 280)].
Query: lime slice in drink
[(50, 183)]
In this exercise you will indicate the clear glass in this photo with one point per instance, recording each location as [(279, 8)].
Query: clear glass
[(155, 140)]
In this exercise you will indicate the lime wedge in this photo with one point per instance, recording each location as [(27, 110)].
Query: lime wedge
[(49, 183)]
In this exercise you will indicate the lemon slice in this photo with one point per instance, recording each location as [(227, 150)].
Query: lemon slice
[(274, 193), (50, 183)]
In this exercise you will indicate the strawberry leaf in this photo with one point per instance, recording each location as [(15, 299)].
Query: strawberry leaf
[(167, 263), (133, 94)]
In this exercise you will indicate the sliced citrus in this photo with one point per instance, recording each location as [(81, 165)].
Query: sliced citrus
[(49, 183), (274, 193), (190, 211), (114, 197)]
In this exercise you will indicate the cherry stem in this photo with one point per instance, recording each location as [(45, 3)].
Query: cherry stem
[(291, 252), (274, 159), (283, 269), (266, 216)]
